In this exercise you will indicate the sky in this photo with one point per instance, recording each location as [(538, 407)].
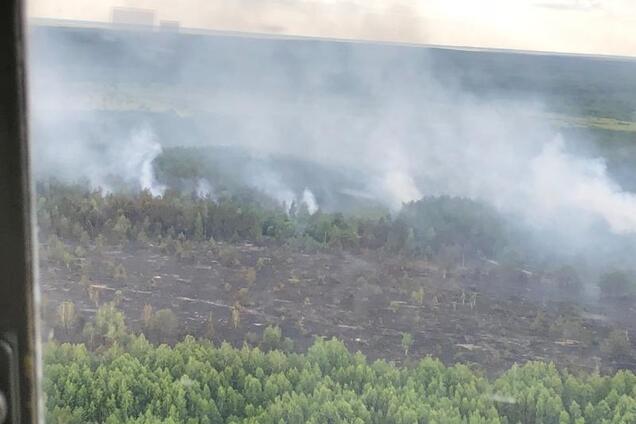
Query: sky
[(605, 27)]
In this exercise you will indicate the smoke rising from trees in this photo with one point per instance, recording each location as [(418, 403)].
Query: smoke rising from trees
[(385, 113)]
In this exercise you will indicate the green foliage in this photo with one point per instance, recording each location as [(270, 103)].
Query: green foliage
[(121, 228), (229, 256), (196, 382), (570, 328), (450, 227), (161, 326), (235, 315), (209, 326), (272, 338), (417, 296), (199, 231), (407, 342), (442, 223), (66, 315), (58, 253), (109, 327), (617, 345), (540, 325)]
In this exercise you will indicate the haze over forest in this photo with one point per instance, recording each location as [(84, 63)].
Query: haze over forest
[(474, 206), (528, 135)]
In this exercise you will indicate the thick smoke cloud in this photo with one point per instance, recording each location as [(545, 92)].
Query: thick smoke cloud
[(384, 113), (568, 183), (123, 163)]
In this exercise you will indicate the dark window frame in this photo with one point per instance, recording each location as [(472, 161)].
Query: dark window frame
[(19, 365)]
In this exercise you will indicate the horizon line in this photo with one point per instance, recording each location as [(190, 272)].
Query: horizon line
[(72, 23)]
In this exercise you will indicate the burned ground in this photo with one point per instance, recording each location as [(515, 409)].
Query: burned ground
[(480, 313)]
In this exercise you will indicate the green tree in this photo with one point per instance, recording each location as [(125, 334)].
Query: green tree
[(121, 228), (109, 326), (195, 382), (272, 338), (199, 232), (617, 344), (66, 316), (163, 326), (407, 342)]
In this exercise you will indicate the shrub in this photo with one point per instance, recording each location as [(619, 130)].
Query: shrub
[(229, 256), (616, 345), (272, 337), (417, 296), (164, 325), (407, 342), (66, 316)]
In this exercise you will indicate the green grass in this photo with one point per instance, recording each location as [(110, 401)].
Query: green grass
[(596, 122)]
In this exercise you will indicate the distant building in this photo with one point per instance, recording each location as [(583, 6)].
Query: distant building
[(129, 16)]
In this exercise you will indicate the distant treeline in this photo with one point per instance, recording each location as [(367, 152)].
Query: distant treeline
[(431, 226), (126, 379)]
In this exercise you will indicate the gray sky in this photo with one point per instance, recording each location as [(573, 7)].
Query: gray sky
[(572, 26)]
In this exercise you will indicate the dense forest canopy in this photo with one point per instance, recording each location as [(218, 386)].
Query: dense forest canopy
[(426, 227), (128, 380)]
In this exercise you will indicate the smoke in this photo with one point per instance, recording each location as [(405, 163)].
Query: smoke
[(121, 162), (138, 156), (564, 183), (402, 119), (270, 183), (309, 200), (204, 189)]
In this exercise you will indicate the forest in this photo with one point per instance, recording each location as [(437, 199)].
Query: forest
[(100, 369), (306, 233), (447, 230), (234, 325), (126, 379), (424, 227)]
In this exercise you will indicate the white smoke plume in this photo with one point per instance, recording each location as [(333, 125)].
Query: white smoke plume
[(204, 189), (309, 200), (138, 156), (562, 183), (271, 184), (105, 164)]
